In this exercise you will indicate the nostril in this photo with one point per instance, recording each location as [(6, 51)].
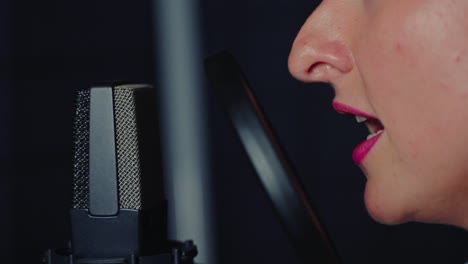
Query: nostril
[(314, 67)]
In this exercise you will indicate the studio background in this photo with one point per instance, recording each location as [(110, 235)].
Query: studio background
[(49, 49)]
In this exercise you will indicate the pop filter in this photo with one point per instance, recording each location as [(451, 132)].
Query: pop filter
[(282, 185)]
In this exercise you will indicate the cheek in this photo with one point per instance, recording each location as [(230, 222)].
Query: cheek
[(398, 49), (415, 81), (408, 71)]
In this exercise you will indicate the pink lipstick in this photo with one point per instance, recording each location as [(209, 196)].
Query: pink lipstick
[(361, 151), (346, 109), (375, 126)]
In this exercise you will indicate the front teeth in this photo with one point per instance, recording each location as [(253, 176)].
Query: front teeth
[(361, 119), (374, 134)]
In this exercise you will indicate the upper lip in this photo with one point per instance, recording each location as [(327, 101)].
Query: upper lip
[(346, 109)]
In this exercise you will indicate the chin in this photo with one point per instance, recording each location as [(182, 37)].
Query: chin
[(385, 209)]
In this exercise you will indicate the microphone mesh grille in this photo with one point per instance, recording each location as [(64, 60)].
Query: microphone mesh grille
[(81, 152), (128, 156), (127, 136)]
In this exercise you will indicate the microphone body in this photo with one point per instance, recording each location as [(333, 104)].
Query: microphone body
[(119, 211), (118, 201)]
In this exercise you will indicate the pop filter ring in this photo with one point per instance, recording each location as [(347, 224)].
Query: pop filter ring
[(281, 183)]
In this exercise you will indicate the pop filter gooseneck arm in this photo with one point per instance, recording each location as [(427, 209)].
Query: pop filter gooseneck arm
[(183, 123)]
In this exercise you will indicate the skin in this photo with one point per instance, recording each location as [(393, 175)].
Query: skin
[(405, 62)]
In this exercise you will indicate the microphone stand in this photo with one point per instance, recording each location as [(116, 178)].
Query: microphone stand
[(183, 122)]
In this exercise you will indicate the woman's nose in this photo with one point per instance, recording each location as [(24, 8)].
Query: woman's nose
[(320, 52)]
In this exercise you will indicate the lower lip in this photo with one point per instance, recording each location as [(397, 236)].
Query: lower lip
[(361, 151)]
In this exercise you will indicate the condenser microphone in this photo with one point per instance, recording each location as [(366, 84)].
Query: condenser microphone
[(118, 213)]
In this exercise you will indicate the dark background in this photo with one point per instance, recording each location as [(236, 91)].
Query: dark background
[(49, 49)]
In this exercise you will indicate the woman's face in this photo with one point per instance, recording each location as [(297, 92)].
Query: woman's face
[(405, 63)]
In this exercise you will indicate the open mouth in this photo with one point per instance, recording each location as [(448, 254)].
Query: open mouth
[(373, 124)]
